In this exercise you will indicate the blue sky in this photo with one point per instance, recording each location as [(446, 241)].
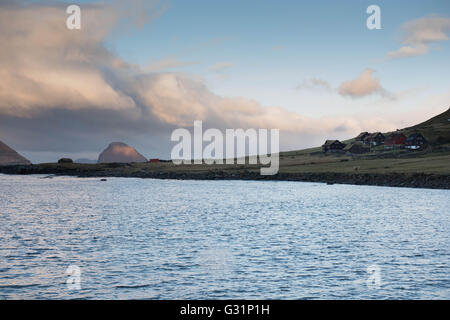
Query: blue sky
[(272, 47)]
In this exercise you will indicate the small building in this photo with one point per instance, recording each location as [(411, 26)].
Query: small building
[(65, 160), (333, 146), (415, 141), (356, 148), (361, 136), (154, 160), (395, 140), (374, 139)]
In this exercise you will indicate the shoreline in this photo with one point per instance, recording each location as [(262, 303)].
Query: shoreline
[(408, 180)]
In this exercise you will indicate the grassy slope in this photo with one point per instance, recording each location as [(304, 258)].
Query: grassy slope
[(436, 130), (438, 163), (436, 159)]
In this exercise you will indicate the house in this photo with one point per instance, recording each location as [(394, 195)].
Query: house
[(374, 139), (65, 160), (394, 140), (356, 148), (332, 146), (415, 141), (361, 136), (154, 160)]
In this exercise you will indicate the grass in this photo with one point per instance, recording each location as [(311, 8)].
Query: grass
[(290, 162), (427, 163)]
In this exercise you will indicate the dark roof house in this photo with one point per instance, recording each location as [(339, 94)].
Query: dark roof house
[(332, 146), (374, 139), (416, 141), (361, 136), (356, 148)]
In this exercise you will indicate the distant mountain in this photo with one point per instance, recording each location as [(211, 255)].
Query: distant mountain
[(9, 156), (120, 152), (85, 161)]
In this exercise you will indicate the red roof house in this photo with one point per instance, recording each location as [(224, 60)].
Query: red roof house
[(395, 139)]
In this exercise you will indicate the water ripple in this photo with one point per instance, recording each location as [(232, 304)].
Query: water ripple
[(163, 239)]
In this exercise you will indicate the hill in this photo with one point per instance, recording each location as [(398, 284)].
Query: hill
[(9, 157), (436, 130), (119, 152)]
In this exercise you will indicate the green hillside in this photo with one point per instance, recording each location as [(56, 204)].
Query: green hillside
[(436, 130), (434, 159)]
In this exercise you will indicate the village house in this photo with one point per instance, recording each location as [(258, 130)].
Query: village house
[(333, 146), (154, 160), (374, 139), (415, 141), (362, 136), (396, 139), (355, 148)]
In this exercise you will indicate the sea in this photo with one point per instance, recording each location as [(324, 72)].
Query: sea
[(127, 238)]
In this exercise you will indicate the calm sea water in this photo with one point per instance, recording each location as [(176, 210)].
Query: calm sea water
[(165, 239)]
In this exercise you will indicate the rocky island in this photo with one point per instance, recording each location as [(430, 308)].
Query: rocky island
[(9, 157)]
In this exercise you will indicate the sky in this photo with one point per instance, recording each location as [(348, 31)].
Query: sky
[(137, 70)]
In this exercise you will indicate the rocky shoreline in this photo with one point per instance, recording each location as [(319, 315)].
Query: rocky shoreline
[(410, 180)]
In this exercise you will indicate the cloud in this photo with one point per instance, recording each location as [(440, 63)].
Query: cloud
[(314, 83), (63, 91), (365, 84), (418, 34), (168, 63)]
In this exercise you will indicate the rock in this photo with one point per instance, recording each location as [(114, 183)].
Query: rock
[(47, 177), (119, 152), (65, 160), (9, 157)]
